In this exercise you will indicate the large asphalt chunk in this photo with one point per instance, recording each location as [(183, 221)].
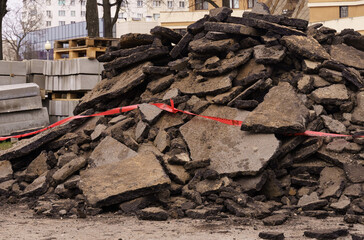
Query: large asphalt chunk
[(109, 89), (124, 180), (347, 55), (358, 113), (306, 47), (231, 151), (280, 112)]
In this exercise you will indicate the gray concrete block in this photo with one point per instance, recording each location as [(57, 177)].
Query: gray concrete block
[(35, 66), (54, 119), (62, 107), (13, 67), (19, 91), (72, 67), (7, 80), (20, 104), (21, 121), (71, 83), (86, 66), (38, 79)]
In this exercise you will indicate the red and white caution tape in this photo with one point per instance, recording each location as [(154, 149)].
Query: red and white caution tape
[(172, 109)]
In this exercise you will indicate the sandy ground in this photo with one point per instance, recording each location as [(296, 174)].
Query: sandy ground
[(17, 222)]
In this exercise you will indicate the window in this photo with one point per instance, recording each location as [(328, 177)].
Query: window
[(49, 13), (72, 2), (181, 4), (62, 23), (140, 3), (83, 3), (73, 13), (73, 22), (170, 4), (48, 2), (83, 13), (156, 3), (61, 2), (48, 23), (201, 5), (123, 4), (140, 15), (344, 12), (61, 13), (156, 16), (251, 3)]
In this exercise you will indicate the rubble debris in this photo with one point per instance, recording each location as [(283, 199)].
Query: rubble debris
[(271, 74)]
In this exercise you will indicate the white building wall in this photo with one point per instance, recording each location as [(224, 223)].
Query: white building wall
[(356, 23)]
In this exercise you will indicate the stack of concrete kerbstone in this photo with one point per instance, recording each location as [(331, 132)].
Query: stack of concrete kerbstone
[(35, 72), (68, 77), (21, 108), (79, 74), (12, 72)]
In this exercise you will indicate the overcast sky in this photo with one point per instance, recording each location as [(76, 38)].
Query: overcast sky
[(14, 4)]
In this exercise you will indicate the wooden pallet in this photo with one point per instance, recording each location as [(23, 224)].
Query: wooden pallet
[(83, 42), (67, 95), (71, 53)]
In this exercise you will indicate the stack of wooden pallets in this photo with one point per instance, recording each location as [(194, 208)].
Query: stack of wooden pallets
[(81, 47)]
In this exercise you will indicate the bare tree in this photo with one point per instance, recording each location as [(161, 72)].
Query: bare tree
[(92, 18), (109, 21), (3, 12), (18, 25)]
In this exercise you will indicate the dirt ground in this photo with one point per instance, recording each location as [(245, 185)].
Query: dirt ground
[(18, 222)]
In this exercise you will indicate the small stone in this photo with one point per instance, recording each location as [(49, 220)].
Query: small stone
[(38, 187), (207, 187), (354, 190), (197, 164), (338, 145), (342, 204), (311, 202), (141, 130), (136, 204), (150, 113), (271, 235), (117, 119), (319, 82), (65, 158), (275, 220), (160, 85), (333, 125), (6, 186), (358, 113), (162, 141), (201, 213), (179, 159), (326, 233), (331, 75), (305, 84), (332, 181), (153, 213)]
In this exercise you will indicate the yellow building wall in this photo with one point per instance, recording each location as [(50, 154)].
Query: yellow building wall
[(356, 11), (243, 4), (319, 14)]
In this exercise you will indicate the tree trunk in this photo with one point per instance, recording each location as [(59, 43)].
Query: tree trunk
[(3, 11), (107, 19), (92, 18)]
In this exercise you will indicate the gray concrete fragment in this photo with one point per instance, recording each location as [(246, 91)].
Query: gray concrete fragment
[(231, 151), (108, 151), (6, 171), (150, 113), (122, 181), (70, 168)]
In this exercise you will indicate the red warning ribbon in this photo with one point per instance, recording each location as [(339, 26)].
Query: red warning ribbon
[(172, 109)]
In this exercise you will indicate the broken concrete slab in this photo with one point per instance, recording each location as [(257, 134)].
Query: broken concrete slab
[(335, 94), (306, 47), (211, 86), (269, 55), (332, 182), (38, 166), (333, 125), (150, 113), (153, 213), (354, 172), (38, 187), (326, 233), (311, 202), (358, 113), (347, 55), (109, 151), (244, 153), (122, 181), (205, 46), (232, 28), (17, 105), (161, 84), (6, 171), (290, 116), (69, 169)]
